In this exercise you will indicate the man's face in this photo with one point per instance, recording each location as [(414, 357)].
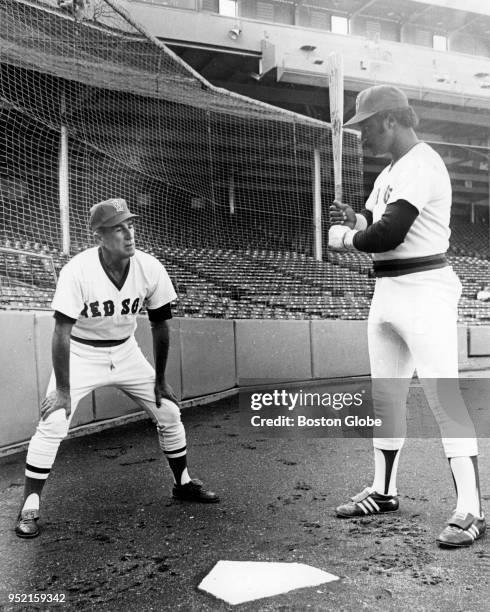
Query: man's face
[(119, 240), (376, 135)]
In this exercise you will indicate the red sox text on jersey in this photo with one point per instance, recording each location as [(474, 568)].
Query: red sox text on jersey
[(108, 308)]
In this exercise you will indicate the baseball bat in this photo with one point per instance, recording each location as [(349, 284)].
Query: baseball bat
[(336, 97)]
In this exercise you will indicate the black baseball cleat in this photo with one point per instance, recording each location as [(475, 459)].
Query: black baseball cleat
[(367, 502), (193, 491), (26, 525), (462, 530)]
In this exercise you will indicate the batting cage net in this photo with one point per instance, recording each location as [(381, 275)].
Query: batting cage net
[(92, 107)]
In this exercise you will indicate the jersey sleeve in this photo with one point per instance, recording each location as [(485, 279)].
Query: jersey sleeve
[(162, 292), (390, 231), (68, 298), (164, 313)]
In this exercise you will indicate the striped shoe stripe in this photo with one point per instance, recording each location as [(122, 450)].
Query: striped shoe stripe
[(374, 504), (361, 506), (474, 530), (368, 504), (468, 533)]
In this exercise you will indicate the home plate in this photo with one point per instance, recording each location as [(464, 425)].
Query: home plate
[(239, 581)]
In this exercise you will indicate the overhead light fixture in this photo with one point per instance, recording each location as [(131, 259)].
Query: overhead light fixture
[(481, 75), (485, 84), (234, 33), (308, 48), (319, 62)]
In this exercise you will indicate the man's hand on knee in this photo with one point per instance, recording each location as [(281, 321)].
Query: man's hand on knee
[(56, 400), (163, 389)]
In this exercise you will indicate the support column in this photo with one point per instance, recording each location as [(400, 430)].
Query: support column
[(63, 178), (231, 194), (317, 206)]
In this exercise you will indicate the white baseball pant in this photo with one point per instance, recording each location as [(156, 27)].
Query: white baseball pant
[(123, 366), (412, 325)]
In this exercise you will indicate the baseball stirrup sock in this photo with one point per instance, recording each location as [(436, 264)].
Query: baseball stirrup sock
[(177, 460), (33, 485), (37, 473), (385, 470), (467, 484), (31, 502)]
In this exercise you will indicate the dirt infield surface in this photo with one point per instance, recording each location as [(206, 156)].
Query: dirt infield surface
[(112, 538)]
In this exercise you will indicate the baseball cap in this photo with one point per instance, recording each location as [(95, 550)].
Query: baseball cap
[(376, 99), (109, 213)]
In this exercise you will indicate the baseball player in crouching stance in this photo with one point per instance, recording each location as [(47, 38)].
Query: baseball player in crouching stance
[(412, 321), (98, 297)]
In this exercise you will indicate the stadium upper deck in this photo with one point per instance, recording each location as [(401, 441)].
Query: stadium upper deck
[(275, 51)]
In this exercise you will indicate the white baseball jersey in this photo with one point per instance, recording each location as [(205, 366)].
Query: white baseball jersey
[(421, 178), (103, 311)]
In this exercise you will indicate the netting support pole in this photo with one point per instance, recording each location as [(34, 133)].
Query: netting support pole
[(488, 166), (231, 194), (63, 177), (317, 206)]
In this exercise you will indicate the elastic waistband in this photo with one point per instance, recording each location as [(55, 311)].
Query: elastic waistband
[(102, 343), (399, 267)]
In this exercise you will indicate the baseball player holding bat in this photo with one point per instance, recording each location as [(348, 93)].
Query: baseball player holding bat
[(412, 321), (98, 297)]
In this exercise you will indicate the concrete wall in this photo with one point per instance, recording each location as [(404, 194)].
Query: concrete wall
[(207, 353), (339, 348), (272, 350), (478, 341), (18, 377), (207, 356)]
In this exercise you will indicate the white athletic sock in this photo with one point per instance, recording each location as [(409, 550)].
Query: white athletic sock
[(31, 502), (385, 470), (465, 476)]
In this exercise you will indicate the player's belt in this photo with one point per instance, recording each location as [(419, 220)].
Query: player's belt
[(399, 267), (99, 342)]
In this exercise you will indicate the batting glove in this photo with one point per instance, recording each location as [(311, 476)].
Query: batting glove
[(340, 238)]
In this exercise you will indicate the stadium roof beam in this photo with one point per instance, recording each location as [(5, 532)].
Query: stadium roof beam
[(362, 8), (189, 44), (452, 116), (277, 95), (464, 25), (417, 14)]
